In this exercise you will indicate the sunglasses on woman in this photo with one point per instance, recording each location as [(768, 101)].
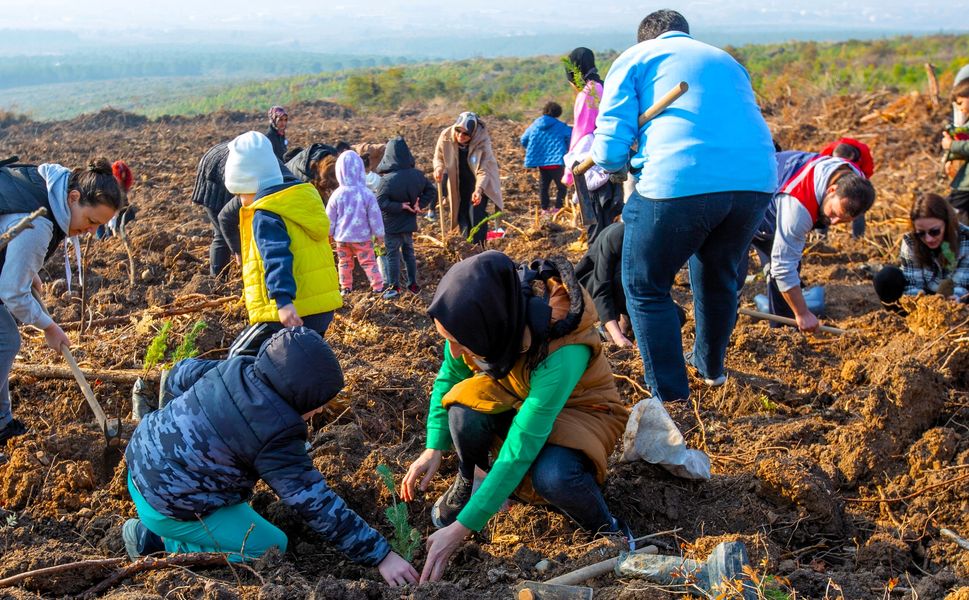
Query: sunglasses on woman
[(932, 233)]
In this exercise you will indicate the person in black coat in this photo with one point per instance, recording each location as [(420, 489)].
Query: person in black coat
[(192, 465), (211, 194), (278, 121), (403, 193), (600, 273)]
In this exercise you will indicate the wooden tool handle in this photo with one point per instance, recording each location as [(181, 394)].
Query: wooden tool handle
[(596, 569), (786, 320), (86, 389), (657, 107)]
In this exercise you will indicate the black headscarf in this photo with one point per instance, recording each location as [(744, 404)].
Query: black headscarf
[(483, 304), (585, 60)]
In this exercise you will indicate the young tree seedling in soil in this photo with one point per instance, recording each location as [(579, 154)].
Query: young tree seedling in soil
[(947, 286), (406, 539)]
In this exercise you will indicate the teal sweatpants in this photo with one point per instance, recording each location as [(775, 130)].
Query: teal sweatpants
[(237, 530)]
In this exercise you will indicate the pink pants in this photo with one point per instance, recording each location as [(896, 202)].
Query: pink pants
[(363, 251)]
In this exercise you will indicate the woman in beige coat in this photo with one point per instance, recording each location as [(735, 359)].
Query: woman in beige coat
[(464, 157)]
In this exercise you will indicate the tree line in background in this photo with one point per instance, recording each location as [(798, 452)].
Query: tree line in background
[(519, 87)]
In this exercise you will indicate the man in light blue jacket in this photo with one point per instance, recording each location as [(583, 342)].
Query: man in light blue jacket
[(706, 173)]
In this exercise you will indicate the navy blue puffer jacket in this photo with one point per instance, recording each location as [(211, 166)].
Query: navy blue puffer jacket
[(237, 421)]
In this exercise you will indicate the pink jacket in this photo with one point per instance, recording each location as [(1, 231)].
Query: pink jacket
[(585, 111)]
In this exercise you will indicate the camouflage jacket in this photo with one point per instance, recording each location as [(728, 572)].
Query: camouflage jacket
[(226, 429)]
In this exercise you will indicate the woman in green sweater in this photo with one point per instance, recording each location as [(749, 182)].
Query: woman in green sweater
[(523, 379)]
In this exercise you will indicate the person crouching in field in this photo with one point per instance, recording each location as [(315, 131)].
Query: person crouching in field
[(824, 192), (77, 202), (956, 144), (934, 256), (546, 141), (289, 276), (527, 375), (192, 465), (354, 222)]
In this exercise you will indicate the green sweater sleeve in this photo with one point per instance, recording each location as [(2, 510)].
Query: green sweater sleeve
[(552, 383), (452, 371)]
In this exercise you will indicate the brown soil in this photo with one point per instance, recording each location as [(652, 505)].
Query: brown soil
[(804, 428)]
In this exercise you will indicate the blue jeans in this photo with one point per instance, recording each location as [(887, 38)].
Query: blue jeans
[(9, 347), (397, 244), (712, 232), (562, 476)]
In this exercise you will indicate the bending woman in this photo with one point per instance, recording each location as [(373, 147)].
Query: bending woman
[(934, 256), (463, 153), (77, 202), (527, 377)]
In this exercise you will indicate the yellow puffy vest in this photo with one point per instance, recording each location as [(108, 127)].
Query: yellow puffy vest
[(317, 285)]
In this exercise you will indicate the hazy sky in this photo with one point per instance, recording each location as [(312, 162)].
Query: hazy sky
[(332, 17)]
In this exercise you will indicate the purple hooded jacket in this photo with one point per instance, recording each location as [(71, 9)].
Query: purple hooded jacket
[(352, 209)]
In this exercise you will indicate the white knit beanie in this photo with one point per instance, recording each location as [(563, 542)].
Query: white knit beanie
[(251, 165)]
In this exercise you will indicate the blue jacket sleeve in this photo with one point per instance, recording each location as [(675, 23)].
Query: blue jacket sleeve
[(617, 125), (186, 372), (272, 240), (527, 136), (284, 465)]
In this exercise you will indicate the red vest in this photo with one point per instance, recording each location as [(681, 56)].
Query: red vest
[(801, 186)]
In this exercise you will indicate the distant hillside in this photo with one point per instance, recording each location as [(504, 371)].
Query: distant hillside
[(513, 87)]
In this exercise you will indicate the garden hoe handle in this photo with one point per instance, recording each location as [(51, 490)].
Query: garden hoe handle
[(92, 401), (786, 320), (440, 211), (657, 107)]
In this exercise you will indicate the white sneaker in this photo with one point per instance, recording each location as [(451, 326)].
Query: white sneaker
[(716, 382)]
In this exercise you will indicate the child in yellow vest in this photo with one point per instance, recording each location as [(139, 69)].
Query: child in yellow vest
[(288, 273)]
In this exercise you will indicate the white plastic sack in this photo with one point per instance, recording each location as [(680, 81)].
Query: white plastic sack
[(652, 436)]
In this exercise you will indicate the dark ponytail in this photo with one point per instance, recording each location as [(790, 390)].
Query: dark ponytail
[(96, 184)]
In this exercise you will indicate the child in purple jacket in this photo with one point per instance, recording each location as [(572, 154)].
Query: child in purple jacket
[(354, 222)]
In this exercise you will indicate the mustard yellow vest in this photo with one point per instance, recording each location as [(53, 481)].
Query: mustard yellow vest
[(317, 285)]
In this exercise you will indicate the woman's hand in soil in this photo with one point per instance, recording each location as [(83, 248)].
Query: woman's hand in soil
[(289, 317), (424, 468), (397, 571), (615, 332), (440, 546), (55, 337)]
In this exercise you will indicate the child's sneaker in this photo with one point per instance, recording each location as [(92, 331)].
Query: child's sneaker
[(414, 288), (344, 291), (12, 429), (390, 293), (139, 540), (445, 510)]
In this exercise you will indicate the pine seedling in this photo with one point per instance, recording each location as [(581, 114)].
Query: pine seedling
[(406, 539), (158, 346), (188, 349), (579, 82), (481, 224), (949, 256)]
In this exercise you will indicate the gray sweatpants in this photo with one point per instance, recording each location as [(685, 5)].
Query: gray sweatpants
[(9, 346)]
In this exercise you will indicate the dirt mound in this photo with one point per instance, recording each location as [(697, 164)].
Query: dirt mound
[(108, 118)]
